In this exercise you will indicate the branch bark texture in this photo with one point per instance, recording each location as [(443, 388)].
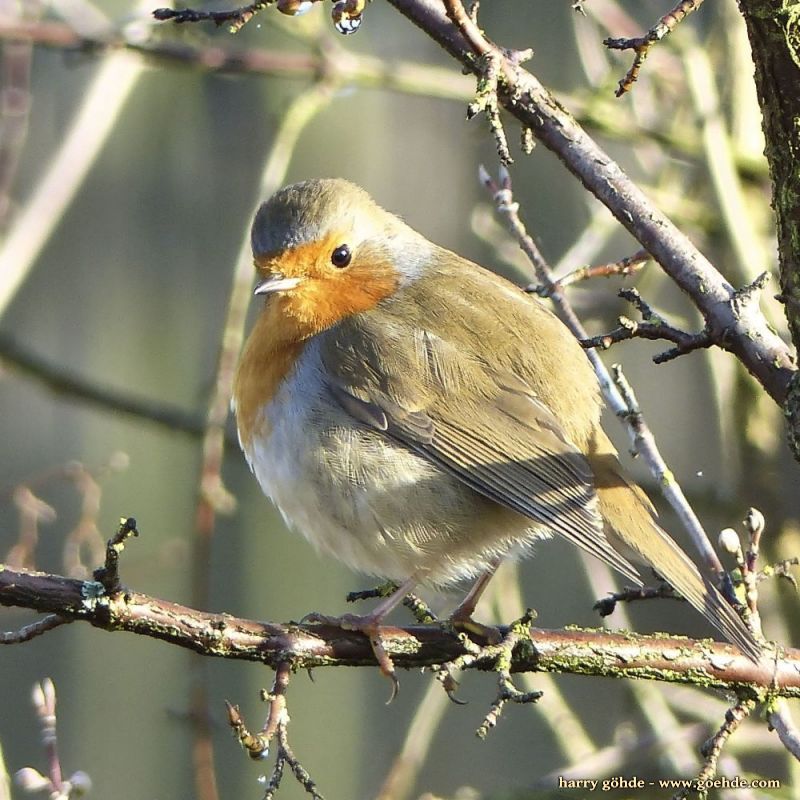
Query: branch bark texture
[(733, 321), (580, 652), (773, 27)]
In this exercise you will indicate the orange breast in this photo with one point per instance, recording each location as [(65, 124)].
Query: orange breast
[(268, 357), (289, 320)]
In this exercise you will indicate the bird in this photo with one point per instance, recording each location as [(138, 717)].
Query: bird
[(420, 418)]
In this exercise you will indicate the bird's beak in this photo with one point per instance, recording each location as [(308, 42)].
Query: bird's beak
[(276, 282)]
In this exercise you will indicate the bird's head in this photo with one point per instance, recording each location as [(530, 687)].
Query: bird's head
[(325, 250)]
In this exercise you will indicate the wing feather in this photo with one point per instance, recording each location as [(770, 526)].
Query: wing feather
[(490, 431)]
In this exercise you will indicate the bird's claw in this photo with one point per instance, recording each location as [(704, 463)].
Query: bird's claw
[(371, 628), (450, 685)]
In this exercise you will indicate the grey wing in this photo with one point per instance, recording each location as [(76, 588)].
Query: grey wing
[(485, 428)]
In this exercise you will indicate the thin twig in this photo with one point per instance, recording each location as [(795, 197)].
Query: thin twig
[(237, 17), (642, 44), (108, 574), (741, 332), (607, 605), (754, 525), (712, 749), (30, 779), (654, 328), (64, 382), (780, 719), (32, 511), (359, 69), (639, 433), (553, 709), (275, 728), (489, 76), (629, 329), (624, 267), (28, 632), (64, 174)]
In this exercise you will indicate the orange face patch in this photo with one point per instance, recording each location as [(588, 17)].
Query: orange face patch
[(325, 295), (328, 293)]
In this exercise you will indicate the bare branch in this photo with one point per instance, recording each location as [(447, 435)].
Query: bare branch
[(712, 749), (65, 382), (585, 652), (28, 632), (333, 61), (237, 17), (628, 329), (622, 404), (780, 719), (642, 44), (743, 330), (629, 265)]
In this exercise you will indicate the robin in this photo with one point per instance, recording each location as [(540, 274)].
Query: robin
[(420, 418)]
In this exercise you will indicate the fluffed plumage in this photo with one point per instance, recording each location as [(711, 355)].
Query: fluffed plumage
[(417, 416)]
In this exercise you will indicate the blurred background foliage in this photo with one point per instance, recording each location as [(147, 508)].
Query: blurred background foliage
[(125, 274)]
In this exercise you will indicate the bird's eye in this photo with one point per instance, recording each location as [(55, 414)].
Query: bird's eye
[(341, 256)]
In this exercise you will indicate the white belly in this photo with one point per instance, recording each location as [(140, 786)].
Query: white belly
[(368, 501)]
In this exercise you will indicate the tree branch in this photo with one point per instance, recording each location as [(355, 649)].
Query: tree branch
[(333, 61), (641, 44), (581, 652), (65, 382), (738, 327)]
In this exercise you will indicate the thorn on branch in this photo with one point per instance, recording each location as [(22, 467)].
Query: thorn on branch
[(641, 45), (108, 574), (747, 294)]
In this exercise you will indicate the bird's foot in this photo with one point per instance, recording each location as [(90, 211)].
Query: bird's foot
[(370, 626), (461, 621)]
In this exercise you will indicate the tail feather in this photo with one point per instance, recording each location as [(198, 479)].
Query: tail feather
[(636, 535)]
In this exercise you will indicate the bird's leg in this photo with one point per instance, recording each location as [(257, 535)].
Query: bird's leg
[(466, 608), (370, 626), (462, 616)]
